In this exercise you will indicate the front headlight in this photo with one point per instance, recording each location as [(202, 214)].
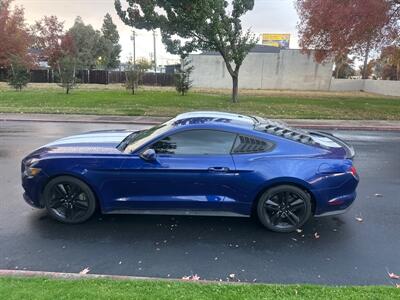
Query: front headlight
[(30, 169)]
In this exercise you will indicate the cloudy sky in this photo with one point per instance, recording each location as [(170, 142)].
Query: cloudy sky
[(268, 16)]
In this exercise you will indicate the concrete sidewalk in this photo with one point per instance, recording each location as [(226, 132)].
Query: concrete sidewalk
[(378, 125)]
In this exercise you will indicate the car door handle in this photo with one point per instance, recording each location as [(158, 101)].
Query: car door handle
[(218, 169)]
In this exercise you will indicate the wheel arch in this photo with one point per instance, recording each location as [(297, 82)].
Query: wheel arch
[(76, 176), (301, 184)]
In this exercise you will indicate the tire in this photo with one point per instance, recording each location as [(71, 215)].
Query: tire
[(284, 208), (69, 200)]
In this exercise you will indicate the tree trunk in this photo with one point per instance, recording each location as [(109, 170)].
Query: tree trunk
[(337, 72), (365, 67), (235, 88)]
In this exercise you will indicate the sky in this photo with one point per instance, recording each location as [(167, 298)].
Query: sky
[(268, 16)]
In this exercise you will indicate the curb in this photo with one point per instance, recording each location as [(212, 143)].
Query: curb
[(104, 120), (81, 121), (77, 276), (355, 128)]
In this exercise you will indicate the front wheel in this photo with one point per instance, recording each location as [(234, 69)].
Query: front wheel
[(284, 208), (69, 200)]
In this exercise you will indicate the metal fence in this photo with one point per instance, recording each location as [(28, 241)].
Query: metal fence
[(96, 76)]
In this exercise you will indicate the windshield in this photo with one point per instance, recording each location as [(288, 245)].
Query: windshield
[(139, 138)]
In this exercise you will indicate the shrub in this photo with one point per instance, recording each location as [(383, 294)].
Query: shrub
[(182, 78), (20, 75)]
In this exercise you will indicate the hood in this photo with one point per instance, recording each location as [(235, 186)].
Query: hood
[(95, 142)]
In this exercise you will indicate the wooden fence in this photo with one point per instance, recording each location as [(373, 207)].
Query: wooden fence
[(96, 76)]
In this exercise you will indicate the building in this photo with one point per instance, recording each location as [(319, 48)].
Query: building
[(265, 67)]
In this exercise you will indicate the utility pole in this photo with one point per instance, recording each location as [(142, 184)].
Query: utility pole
[(134, 47), (155, 56)]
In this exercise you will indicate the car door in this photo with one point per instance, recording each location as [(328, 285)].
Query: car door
[(192, 170)]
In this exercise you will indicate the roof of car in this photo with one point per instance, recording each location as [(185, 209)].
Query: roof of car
[(210, 117), (248, 122)]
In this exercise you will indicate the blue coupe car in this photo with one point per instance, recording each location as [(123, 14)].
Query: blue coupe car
[(198, 163)]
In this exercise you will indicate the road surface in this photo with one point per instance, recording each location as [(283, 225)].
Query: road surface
[(348, 251)]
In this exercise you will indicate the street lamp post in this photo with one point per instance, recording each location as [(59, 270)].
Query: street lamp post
[(133, 38), (155, 56)]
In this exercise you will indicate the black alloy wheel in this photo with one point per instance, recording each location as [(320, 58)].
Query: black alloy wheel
[(284, 208), (69, 200)]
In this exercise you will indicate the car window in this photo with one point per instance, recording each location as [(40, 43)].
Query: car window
[(196, 142), (138, 139), (246, 144)]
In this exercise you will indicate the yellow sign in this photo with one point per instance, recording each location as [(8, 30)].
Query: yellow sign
[(276, 40)]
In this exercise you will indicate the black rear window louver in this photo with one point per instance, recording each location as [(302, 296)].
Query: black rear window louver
[(280, 129), (246, 144)]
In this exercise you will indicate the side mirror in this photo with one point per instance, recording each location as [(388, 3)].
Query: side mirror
[(149, 155)]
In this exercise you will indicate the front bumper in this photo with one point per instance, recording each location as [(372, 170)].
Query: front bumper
[(33, 187), (30, 202)]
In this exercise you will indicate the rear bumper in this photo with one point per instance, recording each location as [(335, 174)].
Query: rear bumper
[(338, 206)]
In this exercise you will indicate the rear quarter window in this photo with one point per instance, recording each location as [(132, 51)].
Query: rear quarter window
[(246, 144)]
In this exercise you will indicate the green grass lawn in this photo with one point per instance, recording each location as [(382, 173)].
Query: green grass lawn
[(166, 102), (39, 288)]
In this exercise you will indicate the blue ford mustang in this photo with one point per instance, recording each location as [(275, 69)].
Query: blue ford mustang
[(197, 163)]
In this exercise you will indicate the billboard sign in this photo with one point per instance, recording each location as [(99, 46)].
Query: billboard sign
[(276, 40)]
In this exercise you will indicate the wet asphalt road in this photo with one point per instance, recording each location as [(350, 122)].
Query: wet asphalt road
[(347, 251)]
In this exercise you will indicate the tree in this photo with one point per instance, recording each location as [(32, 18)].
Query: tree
[(369, 70), (186, 26), (20, 75), (335, 28), (388, 72), (182, 78), (47, 34), (142, 65), (111, 35), (391, 56), (67, 72), (134, 73), (14, 36), (131, 78), (344, 67), (87, 46), (66, 63)]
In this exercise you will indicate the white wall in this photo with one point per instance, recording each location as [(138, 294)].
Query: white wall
[(342, 85), (383, 87), (289, 69)]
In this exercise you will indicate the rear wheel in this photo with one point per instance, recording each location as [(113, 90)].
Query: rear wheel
[(284, 208), (69, 200)]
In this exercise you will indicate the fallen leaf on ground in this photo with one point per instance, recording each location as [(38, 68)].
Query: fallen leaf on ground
[(394, 276), (316, 235), (191, 277), (299, 230), (378, 195), (84, 271), (232, 276), (359, 219)]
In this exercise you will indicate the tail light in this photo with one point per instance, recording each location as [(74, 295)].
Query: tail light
[(353, 171)]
